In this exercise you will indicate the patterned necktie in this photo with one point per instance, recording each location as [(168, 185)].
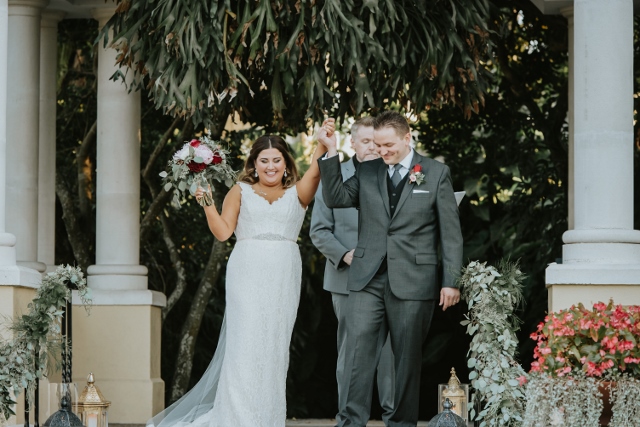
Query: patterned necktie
[(396, 177)]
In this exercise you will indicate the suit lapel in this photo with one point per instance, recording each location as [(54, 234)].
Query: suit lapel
[(382, 185), (408, 186)]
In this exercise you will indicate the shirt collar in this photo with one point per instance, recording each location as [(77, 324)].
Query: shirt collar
[(406, 162)]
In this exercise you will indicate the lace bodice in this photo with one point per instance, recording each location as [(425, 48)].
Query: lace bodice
[(258, 219)]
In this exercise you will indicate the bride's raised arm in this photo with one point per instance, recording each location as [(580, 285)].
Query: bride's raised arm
[(222, 225), (308, 185)]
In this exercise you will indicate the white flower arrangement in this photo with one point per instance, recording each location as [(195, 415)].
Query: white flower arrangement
[(197, 164)]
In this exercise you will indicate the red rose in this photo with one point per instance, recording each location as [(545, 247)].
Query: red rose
[(194, 142), (196, 167), (417, 168), (217, 159)]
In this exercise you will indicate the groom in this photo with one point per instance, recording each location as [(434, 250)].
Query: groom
[(407, 211)]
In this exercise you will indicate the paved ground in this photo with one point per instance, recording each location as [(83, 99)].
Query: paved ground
[(332, 423)]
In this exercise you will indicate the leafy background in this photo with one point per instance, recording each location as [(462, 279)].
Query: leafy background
[(510, 157)]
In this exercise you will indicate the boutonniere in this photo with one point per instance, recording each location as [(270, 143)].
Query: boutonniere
[(416, 176)]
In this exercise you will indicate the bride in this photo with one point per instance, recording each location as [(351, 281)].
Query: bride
[(245, 383)]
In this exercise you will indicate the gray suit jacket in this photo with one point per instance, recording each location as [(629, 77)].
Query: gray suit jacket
[(335, 232), (422, 222)]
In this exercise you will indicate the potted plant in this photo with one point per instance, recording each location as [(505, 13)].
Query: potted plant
[(581, 355)]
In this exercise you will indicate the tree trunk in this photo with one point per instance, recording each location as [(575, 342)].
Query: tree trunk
[(80, 244), (181, 274), (84, 173), (191, 327)]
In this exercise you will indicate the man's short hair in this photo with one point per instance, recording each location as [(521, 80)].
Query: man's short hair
[(392, 119), (361, 122)]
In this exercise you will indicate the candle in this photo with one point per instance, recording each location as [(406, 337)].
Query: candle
[(92, 420)]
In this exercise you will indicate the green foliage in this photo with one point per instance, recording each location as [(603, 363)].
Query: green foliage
[(307, 56), (573, 402), (35, 334), (511, 158), (625, 396), (492, 296)]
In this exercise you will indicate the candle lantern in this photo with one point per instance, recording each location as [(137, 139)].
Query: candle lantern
[(64, 417), (457, 393), (92, 407), (447, 418)]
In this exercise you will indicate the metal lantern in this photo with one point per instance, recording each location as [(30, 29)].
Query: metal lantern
[(447, 418), (64, 417), (92, 407), (457, 393)]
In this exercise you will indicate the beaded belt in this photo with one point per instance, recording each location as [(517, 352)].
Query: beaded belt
[(269, 236)]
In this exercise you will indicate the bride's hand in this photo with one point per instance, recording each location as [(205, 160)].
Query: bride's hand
[(327, 133), (200, 192)]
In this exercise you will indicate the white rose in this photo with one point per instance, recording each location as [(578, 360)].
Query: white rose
[(204, 152)]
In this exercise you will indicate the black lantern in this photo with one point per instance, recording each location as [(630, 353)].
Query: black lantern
[(447, 418), (64, 417)]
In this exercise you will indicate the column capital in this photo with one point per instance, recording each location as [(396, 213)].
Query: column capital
[(567, 12), (27, 7), (102, 15), (50, 18)]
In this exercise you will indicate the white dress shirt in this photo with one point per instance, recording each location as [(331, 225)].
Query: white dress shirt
[(406, 165)]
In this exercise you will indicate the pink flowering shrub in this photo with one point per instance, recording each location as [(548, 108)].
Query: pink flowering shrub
[(601, 342)]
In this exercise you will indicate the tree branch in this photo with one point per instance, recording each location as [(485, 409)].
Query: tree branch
[(181, 274), (81, 155), (160, 196), (161, 144), (77, 236)]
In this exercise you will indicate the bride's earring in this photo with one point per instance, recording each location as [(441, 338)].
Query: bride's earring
[(285, 173), (255, 174)]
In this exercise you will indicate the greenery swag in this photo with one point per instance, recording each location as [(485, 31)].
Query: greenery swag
[(492, 295), (36, 335)]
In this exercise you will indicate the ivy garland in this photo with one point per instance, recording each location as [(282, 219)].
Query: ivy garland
[(36, 334), (492, 295)]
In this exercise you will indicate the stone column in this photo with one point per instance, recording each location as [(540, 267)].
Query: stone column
[(47, 136), (19, 41), (7, 241), (22, 129), (568, 13), (118, 180), (121, 338), (601, 255)]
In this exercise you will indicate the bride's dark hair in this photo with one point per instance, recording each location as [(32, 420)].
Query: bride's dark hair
[(264, 143)]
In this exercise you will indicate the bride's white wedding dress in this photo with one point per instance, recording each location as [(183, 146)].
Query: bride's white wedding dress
[(245, 383)]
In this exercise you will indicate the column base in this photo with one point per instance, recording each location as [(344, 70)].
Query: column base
[(601, 253), (570, 284), (117, 277), (120, 343), (19, 276), (40, 267)]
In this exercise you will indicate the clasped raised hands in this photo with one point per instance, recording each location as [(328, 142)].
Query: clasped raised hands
[(326, 135)]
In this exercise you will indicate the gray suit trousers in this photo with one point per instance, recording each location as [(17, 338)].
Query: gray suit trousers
[(385, 371), (369, 311)]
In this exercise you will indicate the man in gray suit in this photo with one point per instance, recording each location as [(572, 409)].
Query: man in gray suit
[(335, 233), (407, 212)]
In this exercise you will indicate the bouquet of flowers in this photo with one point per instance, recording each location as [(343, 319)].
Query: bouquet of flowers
[(601, 342), (197, 164)]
